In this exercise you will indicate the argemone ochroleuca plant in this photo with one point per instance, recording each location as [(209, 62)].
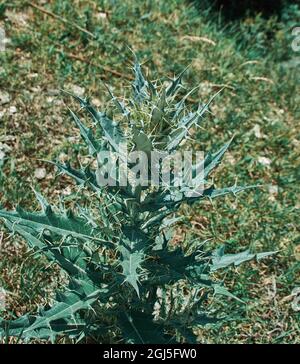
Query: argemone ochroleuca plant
[(126, 280)]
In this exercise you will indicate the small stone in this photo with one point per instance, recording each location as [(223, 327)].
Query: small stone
[(57, 102), (34, 75), (35, 89), (20, 19), (230, 159), (49, 99), (63, 157), (4, 97), (297, 253), (96, 102), (4, 147), (101, 16), (264, 161), (12, 110), (77, 90), (257, 132), (3, 151), (72, 139), (67, 191), (7, 138), (2, 155), (3, 42), (40, 173), (273, 190)]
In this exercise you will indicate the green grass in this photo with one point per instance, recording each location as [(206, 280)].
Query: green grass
[(253, 59)]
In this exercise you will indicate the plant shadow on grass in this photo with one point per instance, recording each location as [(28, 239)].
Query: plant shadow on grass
[(235, 10)]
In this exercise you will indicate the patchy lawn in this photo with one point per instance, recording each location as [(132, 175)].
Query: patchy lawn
[(75, 45)]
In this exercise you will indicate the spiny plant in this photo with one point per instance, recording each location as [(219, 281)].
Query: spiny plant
[(126, 279)]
